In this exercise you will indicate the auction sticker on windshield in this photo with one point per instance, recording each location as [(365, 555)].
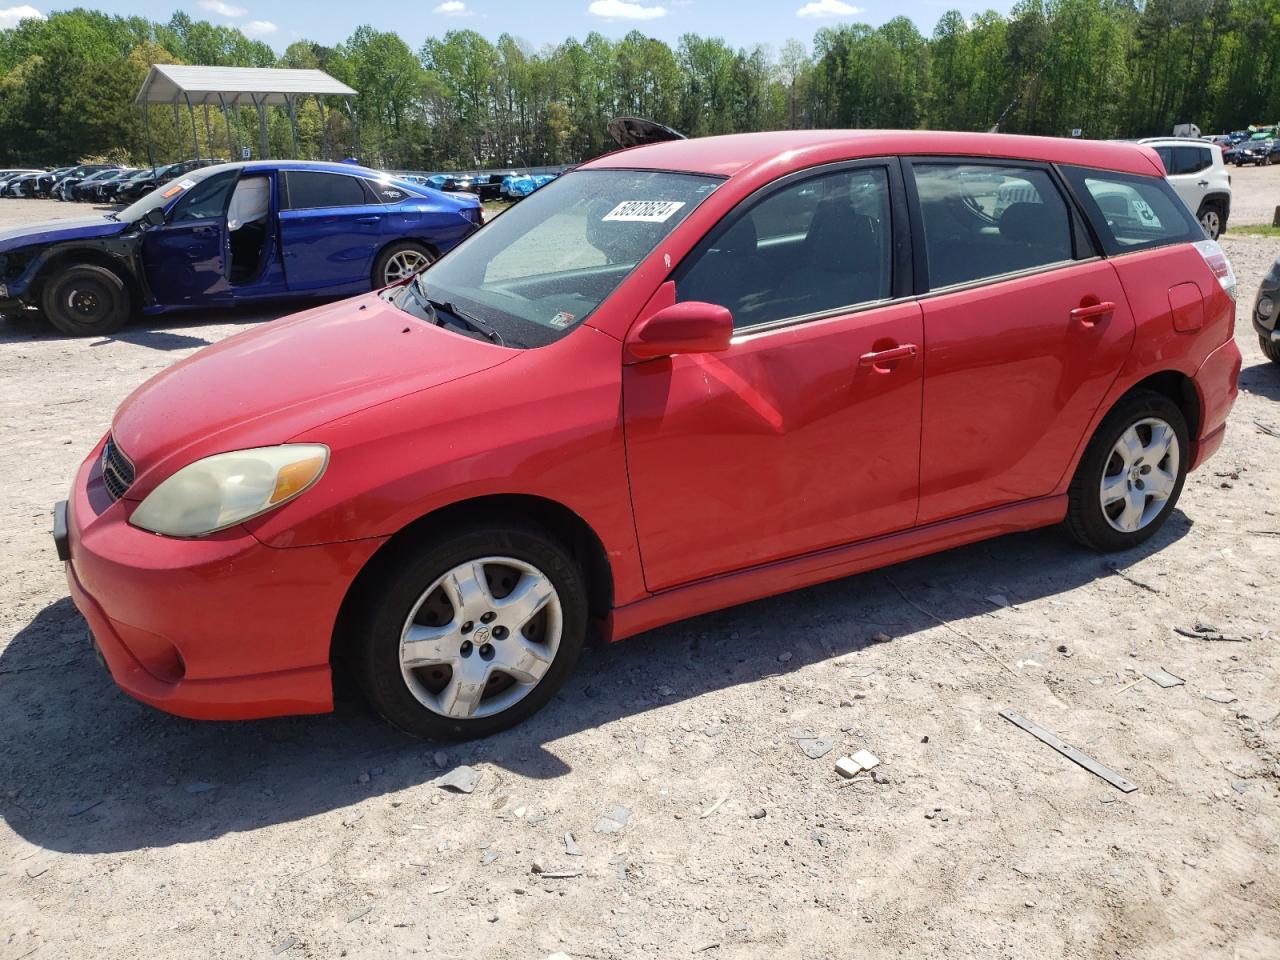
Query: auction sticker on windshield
[(644, 211)]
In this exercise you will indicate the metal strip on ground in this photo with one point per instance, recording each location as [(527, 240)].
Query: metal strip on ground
[(1070, 752)]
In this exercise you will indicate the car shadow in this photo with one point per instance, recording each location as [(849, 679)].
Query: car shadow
[(160, 332), (1261, 379), (86, 769)]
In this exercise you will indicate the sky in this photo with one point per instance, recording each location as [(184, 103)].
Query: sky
[(743, 23)]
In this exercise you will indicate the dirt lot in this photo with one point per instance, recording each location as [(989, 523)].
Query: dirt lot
[(128, 833)]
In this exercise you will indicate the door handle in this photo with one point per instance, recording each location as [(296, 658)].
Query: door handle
[(1092, 313), (372, 219), (1202, 183), (878, 357)]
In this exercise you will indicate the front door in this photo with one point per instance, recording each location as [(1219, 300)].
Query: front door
[(330, 227), (186, 260), (805, 433), (1025, 331)]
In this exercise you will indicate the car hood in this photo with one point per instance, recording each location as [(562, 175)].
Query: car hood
[(85, 228), (271, 383)]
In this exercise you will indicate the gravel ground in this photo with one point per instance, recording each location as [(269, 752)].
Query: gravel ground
[(129, 833)]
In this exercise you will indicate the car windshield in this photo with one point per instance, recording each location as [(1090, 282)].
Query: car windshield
[(162, 194), (540, 269)]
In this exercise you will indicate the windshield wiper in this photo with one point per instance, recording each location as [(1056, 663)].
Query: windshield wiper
[(435, 306)]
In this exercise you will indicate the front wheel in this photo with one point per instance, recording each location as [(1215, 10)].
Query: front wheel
[(86, 300), (1270, 350), (472, 632), (399, 262), (1131, 474)]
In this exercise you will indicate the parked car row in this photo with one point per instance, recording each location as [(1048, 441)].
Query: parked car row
[(494, 186), (94, 182)]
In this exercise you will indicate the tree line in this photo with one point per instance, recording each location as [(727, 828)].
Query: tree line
[(1111, 68)]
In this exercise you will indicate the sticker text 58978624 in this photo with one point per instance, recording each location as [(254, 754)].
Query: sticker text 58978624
[(644, 211)]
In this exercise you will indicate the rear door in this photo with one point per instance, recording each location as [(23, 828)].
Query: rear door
[(186, 260), (330, 228), (1025, 329)]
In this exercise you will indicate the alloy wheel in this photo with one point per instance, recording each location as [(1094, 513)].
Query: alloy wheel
[(404, 264), (1140, 475), (480, 638), (1211, 222)]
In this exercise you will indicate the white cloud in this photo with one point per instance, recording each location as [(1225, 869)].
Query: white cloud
[(259, 28), (226, 9), (452, 8), (821, 9), (621, 10), (12, 16)]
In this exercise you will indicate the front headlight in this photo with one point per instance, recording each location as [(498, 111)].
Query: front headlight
[(229, 488)]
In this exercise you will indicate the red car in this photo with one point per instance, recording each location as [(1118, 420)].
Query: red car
[(681, 377)]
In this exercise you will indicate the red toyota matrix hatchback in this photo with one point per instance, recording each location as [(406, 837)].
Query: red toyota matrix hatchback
[(681, 377)]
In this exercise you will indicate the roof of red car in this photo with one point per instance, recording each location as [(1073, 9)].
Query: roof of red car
[(796, 149)]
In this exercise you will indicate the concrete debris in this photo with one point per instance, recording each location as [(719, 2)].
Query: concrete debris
[(866, 759), (440, 759), (355, 915), (1221, 696), (571, 847), (462, 779), (1163, 677), (847, 768), (815, 748), (284, 945), (614, 820), (759, 813)]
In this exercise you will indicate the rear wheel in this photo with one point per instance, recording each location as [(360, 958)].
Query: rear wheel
[(86, 300), (399, 262), (1131, 474), (1210, 218), (471, 632)]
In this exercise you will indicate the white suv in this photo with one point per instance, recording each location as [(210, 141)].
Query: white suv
[(1196, 171)]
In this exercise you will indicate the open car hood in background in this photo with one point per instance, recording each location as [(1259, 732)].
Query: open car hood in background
[(636, 132)]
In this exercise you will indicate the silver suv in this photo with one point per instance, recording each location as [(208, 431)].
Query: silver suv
[(1196, 171)]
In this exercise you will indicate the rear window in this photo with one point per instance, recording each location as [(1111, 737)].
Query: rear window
[(987, 220), (1131, 212), (314, 189)]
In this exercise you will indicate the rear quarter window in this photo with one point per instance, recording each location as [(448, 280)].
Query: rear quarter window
[(1130, 212)]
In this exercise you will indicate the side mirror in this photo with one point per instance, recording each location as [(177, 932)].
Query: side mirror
[(154, 217), (692, 327)]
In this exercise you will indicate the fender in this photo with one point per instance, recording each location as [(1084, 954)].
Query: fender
[(122, 251)]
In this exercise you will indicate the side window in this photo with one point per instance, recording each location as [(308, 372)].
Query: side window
[(382, 192), (206, 199), (1191, 159), (983, 220), (312, 188), (810, 247), (1166, 157), (1132, 212)]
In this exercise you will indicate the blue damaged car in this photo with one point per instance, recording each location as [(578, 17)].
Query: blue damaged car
[(231, 234)]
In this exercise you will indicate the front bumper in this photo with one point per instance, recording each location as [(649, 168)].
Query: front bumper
[(220, 628)]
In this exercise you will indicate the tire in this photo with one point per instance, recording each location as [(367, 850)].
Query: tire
[(432, 589), (399, 261), (1270, 350), (1210, 217), (86, 300), (1144, 492)]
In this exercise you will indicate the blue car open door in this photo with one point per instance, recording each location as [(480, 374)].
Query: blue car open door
[(186, 259), (330, 228)]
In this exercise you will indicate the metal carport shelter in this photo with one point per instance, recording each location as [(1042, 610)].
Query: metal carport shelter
[(228, 87)]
